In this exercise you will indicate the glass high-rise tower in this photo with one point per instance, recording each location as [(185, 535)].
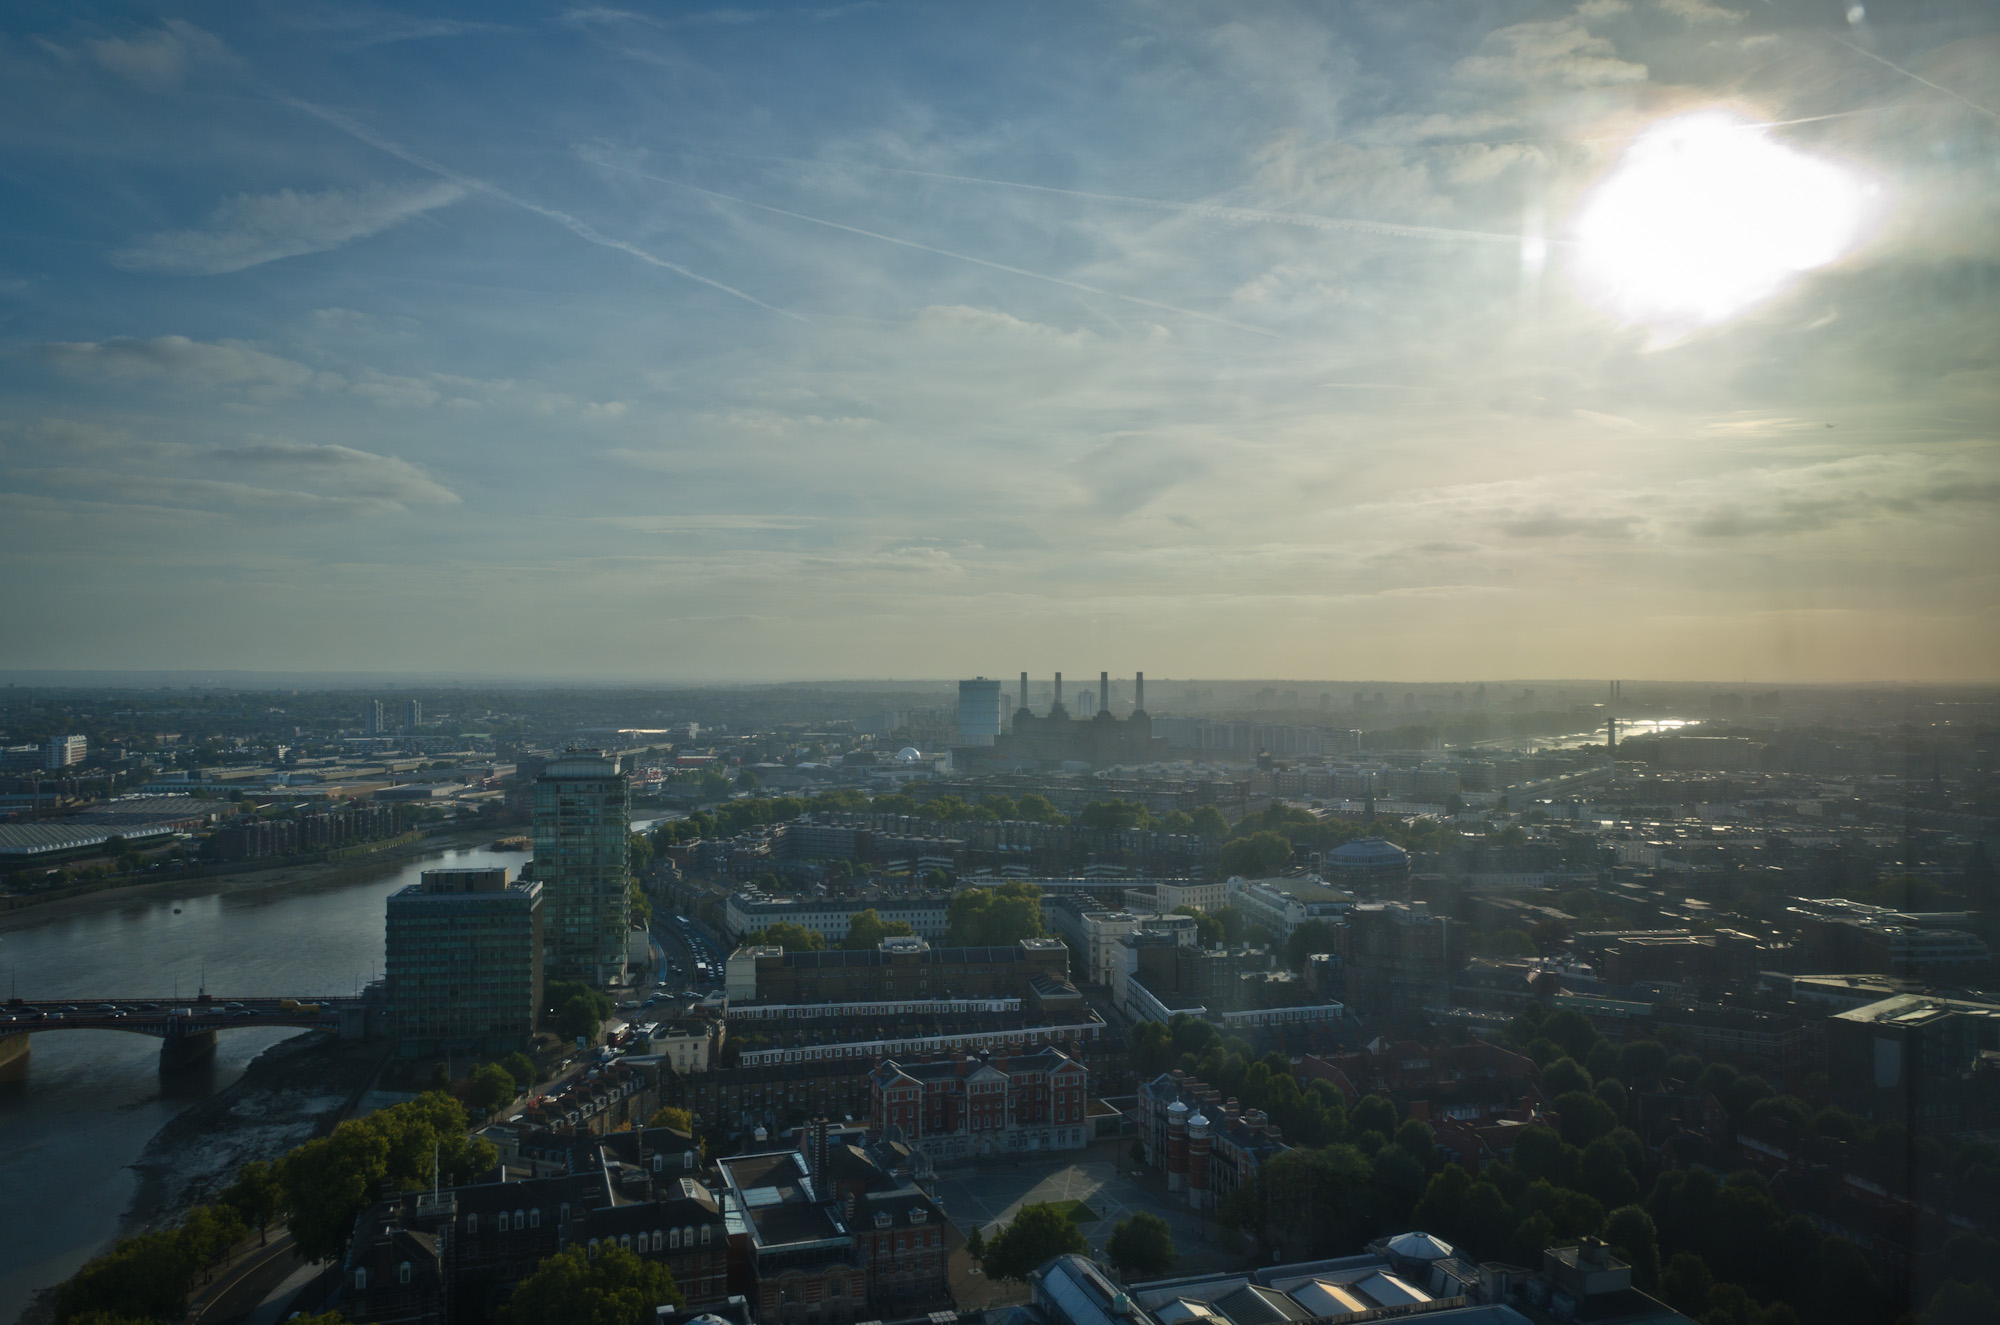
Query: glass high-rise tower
[(583, 814)]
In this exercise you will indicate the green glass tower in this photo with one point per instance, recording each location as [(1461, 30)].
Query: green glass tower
[(583, 815)]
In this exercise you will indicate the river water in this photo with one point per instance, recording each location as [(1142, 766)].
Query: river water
[(93, 1099)]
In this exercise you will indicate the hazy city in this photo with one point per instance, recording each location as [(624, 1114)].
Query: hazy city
[(1098, 664)]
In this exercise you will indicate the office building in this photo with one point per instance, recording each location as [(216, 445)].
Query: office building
[(371, 718), (65, 751), (982, 711), (413, 716), (1399, 957), (900, 969), (465, 962), (582, 818)]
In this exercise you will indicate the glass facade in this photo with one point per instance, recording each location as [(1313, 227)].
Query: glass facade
[(583, 816), (465, 962)]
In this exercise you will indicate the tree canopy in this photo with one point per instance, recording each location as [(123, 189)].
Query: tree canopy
[(790, 937), (1038, 1233), (867, 930), (576, 1287), (1255, 856), (1142, 1245), (991, 917)]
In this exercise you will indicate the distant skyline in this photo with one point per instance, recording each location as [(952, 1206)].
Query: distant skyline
[(865, 340)]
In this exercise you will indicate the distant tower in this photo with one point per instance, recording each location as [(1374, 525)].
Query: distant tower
[(371, 718), (1138, 693), (981, 711), (413, 716), (1104, 692), (1057, 710)]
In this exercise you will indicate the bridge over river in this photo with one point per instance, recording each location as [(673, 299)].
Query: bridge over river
[(185, 1027)]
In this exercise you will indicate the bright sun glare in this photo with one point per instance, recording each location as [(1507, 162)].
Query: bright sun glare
[(1705, 216)]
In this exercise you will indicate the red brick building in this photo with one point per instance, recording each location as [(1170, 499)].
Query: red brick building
[(959, 1106)]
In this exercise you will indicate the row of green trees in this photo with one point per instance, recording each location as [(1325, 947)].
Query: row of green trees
[(865, 930), (1140, 1246), (319, 1188)]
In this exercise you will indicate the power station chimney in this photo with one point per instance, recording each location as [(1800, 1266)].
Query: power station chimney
[(1059, 704), (1024, 690), (1104, 693), (1139, 692)]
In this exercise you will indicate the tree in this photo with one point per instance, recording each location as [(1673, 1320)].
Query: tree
[(490, 1087), (1039, 809), (1209, 822), (1635, 1241), (328, 1181), (1176, 821), (520, 1067), (1141, 1245), (714, 786), (574, 1009), (642, 905), (975, 1245), (255, 1196), (1641, 1061), (1563, 1076), (790, 937), (609, 1286), (1584, 1117), (1959, 1303), (1038, 1233), (1415, 1137), (1686, 1283), (994, 917), (867, 930), (1256, 856), (1114, 815), (680, 1120)]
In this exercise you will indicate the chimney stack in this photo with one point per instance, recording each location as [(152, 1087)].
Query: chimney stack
[(1139, 692), (1024, 690), (1058, 704), (1104, 692)]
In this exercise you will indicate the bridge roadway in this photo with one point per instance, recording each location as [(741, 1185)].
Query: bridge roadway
[(186, 1027)]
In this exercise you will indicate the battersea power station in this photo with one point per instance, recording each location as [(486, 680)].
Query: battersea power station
[(1056, 739)]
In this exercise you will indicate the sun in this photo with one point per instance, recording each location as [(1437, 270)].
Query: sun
[(1705, 216)]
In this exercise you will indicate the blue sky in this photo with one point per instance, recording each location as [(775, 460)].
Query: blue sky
[(920, 339)]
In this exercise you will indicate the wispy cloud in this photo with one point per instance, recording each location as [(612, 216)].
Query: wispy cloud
[(160, 58), (204, 363), (250, 230)]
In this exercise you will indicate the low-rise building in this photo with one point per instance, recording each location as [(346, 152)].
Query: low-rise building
[(965, 1106), (898, 969)]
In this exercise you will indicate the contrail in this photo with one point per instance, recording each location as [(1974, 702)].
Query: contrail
[(1218, 212), (1935, 87), (947, 253), (576, 226), (1214, 211)]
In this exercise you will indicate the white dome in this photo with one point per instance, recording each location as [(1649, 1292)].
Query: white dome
[(909, 754), (1420, 1247)]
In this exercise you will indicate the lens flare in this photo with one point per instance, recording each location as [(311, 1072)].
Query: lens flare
[(1705, 216)]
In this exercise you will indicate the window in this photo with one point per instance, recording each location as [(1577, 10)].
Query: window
[(593, 1247), (687, 1159), (659, 1240), (535, 1217), (472, 1223), (565, 1212), (503, 1221), (403, 1273), (674, 1239), (705, 1229), (360, 1279), (625, 1241), (659, 1163)]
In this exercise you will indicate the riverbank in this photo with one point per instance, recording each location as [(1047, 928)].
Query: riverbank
[(297, 1089), (346, 869)]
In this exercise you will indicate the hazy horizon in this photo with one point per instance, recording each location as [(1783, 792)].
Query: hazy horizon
[(1625, 337)]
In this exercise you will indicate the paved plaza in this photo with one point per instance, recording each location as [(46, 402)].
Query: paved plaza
[(987, 1198)]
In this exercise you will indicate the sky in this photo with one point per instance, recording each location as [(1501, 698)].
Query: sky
[(880, 339)]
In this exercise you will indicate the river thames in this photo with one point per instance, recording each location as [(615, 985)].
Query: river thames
[(93, 1099)]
